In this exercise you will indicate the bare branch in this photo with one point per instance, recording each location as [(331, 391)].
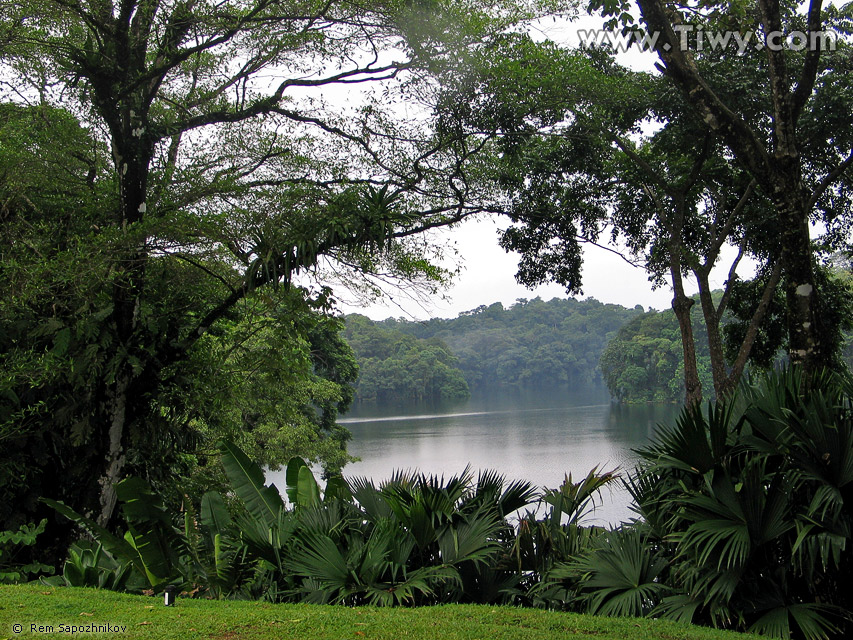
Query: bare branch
[(727, 292), (808, 74)]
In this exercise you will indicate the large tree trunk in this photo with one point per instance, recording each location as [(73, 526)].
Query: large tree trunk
[(681, 305), (115, 452), (801, 297), (132, 153), (719, 373)]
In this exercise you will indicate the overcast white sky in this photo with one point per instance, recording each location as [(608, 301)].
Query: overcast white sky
[(488, 276), (488, 272)]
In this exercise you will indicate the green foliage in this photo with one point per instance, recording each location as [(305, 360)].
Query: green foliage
[(11, 570), (532, 344), (90, 565), (415, 539), (273, 372), (156, 550), (543, 548), (164, 265), (273, 378), (412, 540), (52, 315), (159, 552), (302, 488), (745, 524), (576, 161), (644, 361), (397, 367), (835, 315), (750, 504), (619, 575)]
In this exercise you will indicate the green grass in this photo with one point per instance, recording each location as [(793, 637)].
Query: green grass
[(145, 617)]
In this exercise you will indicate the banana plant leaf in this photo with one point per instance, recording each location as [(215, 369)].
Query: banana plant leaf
[(263, 502), (115, 545), (302, 488), (215, 518), (119, 548), (139, 503)]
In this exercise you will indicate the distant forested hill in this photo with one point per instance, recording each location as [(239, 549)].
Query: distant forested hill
[(645, 362), (532, 344), (395, 366)]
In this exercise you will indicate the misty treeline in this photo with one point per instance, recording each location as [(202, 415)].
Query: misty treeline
[(568, 345), (532, 344)]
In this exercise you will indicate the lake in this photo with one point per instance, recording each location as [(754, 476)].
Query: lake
[(535, 437)]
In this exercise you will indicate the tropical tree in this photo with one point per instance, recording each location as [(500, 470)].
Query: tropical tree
[(797, 162), (576, 157), (274, 373), (218, 172)]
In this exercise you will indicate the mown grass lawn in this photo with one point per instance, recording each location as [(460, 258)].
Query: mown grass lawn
[(144, 617)]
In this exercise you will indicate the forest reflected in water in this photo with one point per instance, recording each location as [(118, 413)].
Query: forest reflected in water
[(538, 437)]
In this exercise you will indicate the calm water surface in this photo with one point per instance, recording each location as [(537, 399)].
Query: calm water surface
[(536, 438)]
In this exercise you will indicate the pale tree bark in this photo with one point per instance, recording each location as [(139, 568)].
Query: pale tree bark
[(115, 453)]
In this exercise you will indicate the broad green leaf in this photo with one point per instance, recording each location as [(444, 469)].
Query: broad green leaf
[(263, 502), (214, 514), (308, 491)]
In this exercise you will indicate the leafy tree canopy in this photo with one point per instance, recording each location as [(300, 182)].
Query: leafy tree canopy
[(178, 187), (396, 367), (532, 344), (587, 149)]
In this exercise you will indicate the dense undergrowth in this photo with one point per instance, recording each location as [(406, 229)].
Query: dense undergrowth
[(744, 515)]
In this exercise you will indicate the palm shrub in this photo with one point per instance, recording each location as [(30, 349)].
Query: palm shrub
[(749, 502), (340, 558), (544, 548), (412, 540), (415, 539), (452, 533), (618, 575), (322, 547)]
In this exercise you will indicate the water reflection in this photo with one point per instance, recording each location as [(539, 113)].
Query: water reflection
[(537, 438)]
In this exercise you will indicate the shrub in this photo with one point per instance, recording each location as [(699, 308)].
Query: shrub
[(750, 503)]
